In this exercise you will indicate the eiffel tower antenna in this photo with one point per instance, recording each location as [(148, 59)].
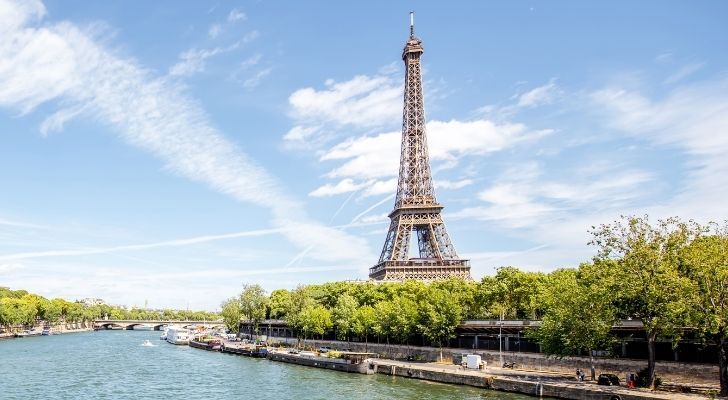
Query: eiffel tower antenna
[(415, 207), (412, 24)]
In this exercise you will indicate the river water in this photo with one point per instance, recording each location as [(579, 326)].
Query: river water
[(115, 365)]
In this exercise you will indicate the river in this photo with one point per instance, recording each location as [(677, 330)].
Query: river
[(115, 365)]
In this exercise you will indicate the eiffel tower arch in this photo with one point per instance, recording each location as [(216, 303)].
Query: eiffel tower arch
[(415, 208)]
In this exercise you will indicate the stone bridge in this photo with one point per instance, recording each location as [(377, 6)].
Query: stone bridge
[(157, 325)]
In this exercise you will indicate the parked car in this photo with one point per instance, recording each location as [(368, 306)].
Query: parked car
[(608, 380), (294, 351), (324, 349)]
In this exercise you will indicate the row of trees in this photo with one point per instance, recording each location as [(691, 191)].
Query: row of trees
[(19, 308), (672, 276)]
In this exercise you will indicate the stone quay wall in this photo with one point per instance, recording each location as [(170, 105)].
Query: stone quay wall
[(674, 372)]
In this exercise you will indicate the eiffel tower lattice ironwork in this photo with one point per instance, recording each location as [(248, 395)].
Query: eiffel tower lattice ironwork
[(415, 208)]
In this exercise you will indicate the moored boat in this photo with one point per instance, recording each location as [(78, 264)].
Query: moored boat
[(178, 335), (246, 349), (206, 343)]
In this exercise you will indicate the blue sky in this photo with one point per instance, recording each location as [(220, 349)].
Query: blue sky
[(170, 151)]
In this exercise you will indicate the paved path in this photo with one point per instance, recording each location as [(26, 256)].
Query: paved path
[(550, 378)]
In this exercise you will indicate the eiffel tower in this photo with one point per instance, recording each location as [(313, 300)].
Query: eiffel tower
[(415, 208)]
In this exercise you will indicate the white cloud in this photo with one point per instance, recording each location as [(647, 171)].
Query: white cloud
[(236, 15), (453, 185), (683, 73), (539, 96), (344, 186), (380, 187), (61, 62), (193, 60), (251, 61), (524, 198), (378, 156), (214, 31), (6, 268), (255, 80), (250, 36), (692, 118), (362, 101), (21, 224), (370, 162)]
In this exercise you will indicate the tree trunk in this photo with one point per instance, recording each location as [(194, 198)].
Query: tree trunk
[(651, 336), (592, 367), (723, 362)]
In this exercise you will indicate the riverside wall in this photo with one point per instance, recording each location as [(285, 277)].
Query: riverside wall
[(674, 372)]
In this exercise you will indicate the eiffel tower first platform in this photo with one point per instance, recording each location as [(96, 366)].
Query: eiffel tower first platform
[(415, 208)]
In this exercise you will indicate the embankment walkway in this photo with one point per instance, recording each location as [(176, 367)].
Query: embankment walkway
[(534, 383)]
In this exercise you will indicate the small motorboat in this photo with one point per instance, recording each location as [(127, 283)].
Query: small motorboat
[(147, 343)]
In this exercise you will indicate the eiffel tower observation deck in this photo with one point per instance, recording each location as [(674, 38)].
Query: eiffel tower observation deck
[(415, 208)]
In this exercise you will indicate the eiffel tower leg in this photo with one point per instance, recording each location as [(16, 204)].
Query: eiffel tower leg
[(402, 241)]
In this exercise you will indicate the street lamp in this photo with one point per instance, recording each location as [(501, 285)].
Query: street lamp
[(500, 338)]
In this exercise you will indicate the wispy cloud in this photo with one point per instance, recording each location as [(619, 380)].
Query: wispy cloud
[(136, 247), (683, 73), (255, 80), (21, 224), (250, 36), (539, 96), (236, 15), (214, 30), (154, 114), (193, 61)]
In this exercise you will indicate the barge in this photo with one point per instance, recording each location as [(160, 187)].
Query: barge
[(348, 361), (206, 343), (245, 349)]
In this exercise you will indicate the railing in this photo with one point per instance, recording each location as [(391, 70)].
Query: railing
[(418, 263)]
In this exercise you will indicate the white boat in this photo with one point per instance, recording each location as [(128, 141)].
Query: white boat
[(163, 336), (147, 343), (177, 335)]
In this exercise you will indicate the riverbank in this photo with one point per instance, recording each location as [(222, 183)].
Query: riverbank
[(687, 380), (531, 383), (679, 375), (54, 330)]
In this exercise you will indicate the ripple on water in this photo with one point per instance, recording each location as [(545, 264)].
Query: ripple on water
[(113, 364)]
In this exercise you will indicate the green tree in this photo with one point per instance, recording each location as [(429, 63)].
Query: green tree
[(253, 303), (316, 320), (579, 313), (511, 293), (343, 315), (279, 303), (386, 317), (404, 318), (364, 321), (440, 314), (14, 311), (651, 287), (54, 310), (231, 314), (705, 261)]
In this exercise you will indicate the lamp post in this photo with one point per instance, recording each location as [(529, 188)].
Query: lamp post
[(500, 338)]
